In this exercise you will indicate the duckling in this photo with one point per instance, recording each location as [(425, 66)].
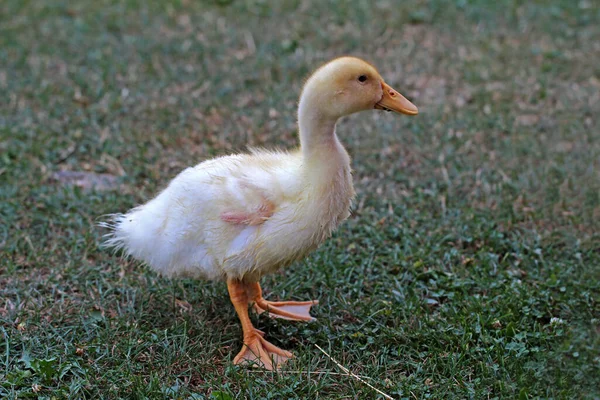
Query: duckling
[(238, 217)]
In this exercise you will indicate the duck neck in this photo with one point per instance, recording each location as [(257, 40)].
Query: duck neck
[(321, 149)]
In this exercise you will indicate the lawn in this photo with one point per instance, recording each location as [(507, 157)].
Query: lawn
[(470, 267)]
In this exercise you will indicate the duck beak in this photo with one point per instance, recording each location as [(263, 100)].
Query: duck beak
[(394, 101)]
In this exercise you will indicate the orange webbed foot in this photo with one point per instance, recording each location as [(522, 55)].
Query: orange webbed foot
[(290, 310), (258, 351)]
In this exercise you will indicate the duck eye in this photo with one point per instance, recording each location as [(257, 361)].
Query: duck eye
[(362, 78)]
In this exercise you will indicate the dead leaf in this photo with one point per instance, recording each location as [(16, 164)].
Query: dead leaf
[(183, 305), (564, 146), (527, 119), (86, 180)]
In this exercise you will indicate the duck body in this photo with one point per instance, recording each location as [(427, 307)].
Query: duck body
[(184, 231), (239, 217)]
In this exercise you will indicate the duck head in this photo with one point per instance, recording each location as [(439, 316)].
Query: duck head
[(347, 85)]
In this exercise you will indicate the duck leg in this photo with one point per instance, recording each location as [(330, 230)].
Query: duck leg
[(255, 349), (291, 310)]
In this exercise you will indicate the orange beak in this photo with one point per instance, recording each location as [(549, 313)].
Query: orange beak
[(394, 101)]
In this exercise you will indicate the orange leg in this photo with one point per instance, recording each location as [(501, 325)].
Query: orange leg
[(255, 348), (292, 310)]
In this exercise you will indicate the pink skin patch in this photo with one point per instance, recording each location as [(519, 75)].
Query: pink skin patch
[(253, 218)]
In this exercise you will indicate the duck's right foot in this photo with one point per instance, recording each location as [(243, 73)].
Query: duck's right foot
[(291, 310)]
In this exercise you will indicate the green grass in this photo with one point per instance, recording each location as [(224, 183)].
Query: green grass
[(470, 267)]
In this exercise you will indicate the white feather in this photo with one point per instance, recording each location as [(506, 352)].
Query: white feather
[(180, 232)]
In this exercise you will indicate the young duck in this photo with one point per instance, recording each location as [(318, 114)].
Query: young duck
[(239, 217)]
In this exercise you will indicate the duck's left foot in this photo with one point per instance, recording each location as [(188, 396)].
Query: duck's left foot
[(258, 351), (290, 310)]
